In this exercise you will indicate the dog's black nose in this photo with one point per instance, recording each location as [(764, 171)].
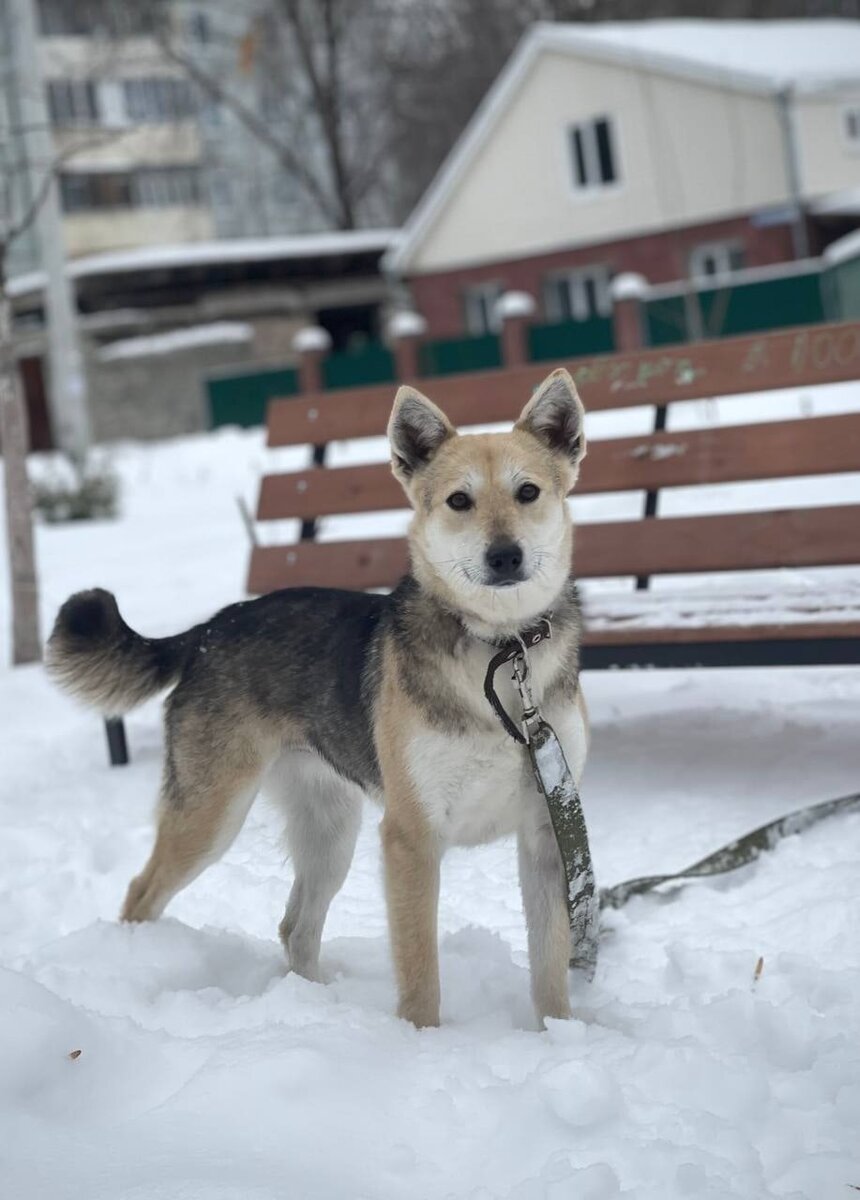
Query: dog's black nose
[(505, 560)]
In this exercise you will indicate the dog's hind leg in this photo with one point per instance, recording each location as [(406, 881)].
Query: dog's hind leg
[(209, 785), (323, 813), (191, 836)]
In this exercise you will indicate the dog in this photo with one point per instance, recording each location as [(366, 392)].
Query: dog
[(338, 695)]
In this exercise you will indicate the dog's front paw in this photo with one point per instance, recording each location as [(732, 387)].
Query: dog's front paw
[(423, 1015), (556, 1010)]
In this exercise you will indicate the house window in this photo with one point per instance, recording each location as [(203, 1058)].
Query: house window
[(72, 102), (166, 187), (153, 187), (82, 192), (480, 302), (577, 295), (593, 154), (716, 258), (157, 100), (81, 18), (852, 125), (58, 18)]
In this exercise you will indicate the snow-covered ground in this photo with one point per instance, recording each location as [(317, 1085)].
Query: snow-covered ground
[(207, 1073)]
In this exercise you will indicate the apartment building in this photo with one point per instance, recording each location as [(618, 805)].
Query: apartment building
[(149, 157)]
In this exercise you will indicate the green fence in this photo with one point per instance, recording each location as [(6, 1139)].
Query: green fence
[(841, 284), (736, 309), (571, 339), (451, 356), (807, 298), (373, 363), (243, 399)]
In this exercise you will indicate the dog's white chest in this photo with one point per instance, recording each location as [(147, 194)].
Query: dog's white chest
[(473, 788)]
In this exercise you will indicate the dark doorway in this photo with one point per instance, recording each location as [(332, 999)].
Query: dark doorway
[(33, 382), (351, 326)]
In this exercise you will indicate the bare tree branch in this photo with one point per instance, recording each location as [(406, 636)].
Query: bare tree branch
[(325, 92), (255, 124), (38, 199)]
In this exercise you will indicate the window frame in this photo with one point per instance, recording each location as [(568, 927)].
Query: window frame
[(722, 246), (84, 18), (582, 149), (157, 100), (147, 188), (177, 186), (577, 279), (77, 115), (106, 191), (480, 293)]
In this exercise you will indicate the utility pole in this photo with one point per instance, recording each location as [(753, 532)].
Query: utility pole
[(68, 390)]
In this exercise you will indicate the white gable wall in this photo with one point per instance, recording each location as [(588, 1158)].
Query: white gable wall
[(829, 162), (688, 152)]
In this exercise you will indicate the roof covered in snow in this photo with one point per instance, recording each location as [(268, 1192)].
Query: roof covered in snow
[(233, 250), (767, 57), (806, 55), (174, 340)]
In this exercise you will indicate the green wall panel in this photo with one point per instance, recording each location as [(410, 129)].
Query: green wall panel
[(243, 399)]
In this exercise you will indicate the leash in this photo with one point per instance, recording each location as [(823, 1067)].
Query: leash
[(555, 782), (739, 853)]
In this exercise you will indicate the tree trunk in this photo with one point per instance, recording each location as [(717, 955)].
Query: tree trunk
[(14, 441)]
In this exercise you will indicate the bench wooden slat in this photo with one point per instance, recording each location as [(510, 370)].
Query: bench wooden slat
[(634, 634), (727, 542), (810, 537), (797, 357), (819, 446)]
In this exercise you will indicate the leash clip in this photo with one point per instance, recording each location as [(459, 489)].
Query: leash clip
[(531, 715), (515, 651)]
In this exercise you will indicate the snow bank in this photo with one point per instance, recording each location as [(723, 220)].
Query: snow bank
[(207, 1073)]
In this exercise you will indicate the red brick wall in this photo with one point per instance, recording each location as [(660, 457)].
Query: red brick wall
[(660, 257)]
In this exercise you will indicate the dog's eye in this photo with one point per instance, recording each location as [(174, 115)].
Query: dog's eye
[(527, 493), (459, 501)]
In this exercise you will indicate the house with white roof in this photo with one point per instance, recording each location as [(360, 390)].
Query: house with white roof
[(670, 148)]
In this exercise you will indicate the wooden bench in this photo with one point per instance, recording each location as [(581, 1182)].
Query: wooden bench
[(656, 627)]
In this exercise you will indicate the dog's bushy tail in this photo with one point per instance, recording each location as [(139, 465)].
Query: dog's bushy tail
[(95, 656)]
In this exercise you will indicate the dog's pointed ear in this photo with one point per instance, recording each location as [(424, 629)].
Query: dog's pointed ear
[(416, 430), (555, 416)]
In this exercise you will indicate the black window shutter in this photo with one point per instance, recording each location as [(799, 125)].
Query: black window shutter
[(605, 155), (579, 175)]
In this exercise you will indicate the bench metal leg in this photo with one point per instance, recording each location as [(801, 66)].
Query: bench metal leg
[(652, 497), (117, 744)]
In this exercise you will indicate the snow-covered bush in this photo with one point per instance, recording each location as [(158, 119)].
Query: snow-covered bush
[(71, 492)]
